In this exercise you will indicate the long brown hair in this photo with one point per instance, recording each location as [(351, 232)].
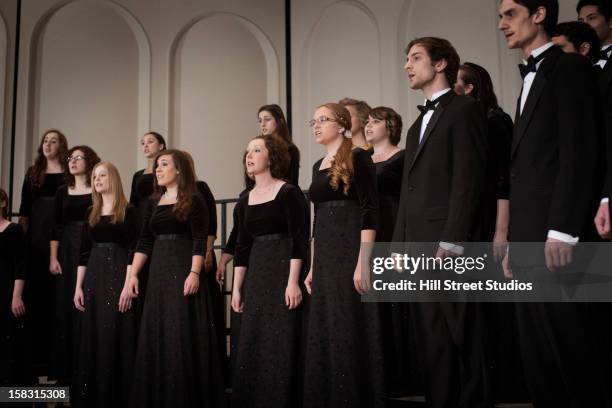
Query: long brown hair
[(342, 165), (36, 173), (282, 130), (120, 203), (91, 159), (186, 183)]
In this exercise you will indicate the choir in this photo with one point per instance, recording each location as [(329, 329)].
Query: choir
[(121, 300)]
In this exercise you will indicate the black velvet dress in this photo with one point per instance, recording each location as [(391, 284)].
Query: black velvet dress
[(266, 373), (344, 362), (177, 358), (142, 190), (12, 336), (70, 212), (38, 204), (107, 338), (294, 165)]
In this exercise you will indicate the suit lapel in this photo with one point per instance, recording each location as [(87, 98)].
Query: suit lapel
[(605, 77), (537, 87), (444, 100)]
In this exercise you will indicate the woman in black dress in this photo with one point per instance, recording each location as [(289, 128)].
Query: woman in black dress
[(272, 242), (107, 335), (344, 363), (12, 308), (272, 122), (36, 218), (502, 339), (383, 132), (177, 359), (71, 204)]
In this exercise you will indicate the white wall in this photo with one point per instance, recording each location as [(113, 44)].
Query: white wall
[(106, 71)]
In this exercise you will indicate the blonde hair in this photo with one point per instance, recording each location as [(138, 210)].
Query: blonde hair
[(120, 203)]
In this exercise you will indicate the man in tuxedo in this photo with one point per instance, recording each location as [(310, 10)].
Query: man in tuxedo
[(578, 38), (555, 185), (598, 14), (443, 178)]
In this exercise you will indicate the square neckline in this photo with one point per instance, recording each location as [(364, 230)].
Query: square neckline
[(269, 201)]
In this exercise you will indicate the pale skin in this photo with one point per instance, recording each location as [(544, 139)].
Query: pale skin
[(167, 175), (525, 31), (266, 188), (377, 135), (150, 147), (77, 165), (500, 239), (17, 305), (329, 133), (50, 147), (101, 184)]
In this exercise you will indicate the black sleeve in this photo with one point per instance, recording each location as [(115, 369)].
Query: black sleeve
[(244, 241), (366, 186), (134, 198), (86, 243), (230, 246), (199, 225), (146, 238), (58, 214), (294, 205), (212, 207), (500, 140), (131, 231), (25, 208), (18, 244), (294, 165), (314, 215)]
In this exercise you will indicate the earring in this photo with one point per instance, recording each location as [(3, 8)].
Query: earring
[(178, 172)]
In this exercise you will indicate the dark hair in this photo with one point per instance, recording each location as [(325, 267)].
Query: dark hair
[(278, 155), (185, 179), (479, 78), (282, 129), (552, 12), (4, 197), (362, 107), (91, 159), (160, 139), (603, 6), (440, 49), (36, 173), (393, 121), (578, 33)]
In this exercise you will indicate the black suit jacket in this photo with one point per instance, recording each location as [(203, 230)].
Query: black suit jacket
[(605, 85), (557, 152), (443, 175)]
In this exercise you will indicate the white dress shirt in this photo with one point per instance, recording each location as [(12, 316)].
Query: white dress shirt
[(429, 113), (527, 82)]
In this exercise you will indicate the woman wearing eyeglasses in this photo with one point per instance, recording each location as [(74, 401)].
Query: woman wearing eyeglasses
[(343, 364), (40, 185), (71, 204)]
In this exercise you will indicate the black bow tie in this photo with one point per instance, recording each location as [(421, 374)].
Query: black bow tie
[(429, 105), (603, 54), (531, 65)]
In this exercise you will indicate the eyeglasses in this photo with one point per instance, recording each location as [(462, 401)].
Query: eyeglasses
[(320, 121), (75, 158)]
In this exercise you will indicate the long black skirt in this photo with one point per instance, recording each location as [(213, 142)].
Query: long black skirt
[(218, 310), (66, 319), (344, 362), (177, 358), (267, 360), (38, 291), (107, 340)]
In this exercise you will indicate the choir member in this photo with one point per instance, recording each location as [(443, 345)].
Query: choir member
[(71, 203), (12, 307), (343, 365), (359, 111), (383, 132), (555, 187), (501, 343), (272, 122), (177, 358), (107, 329), (577, 37), (270, 252), (36, 217), (598, 14), (441, 186)]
